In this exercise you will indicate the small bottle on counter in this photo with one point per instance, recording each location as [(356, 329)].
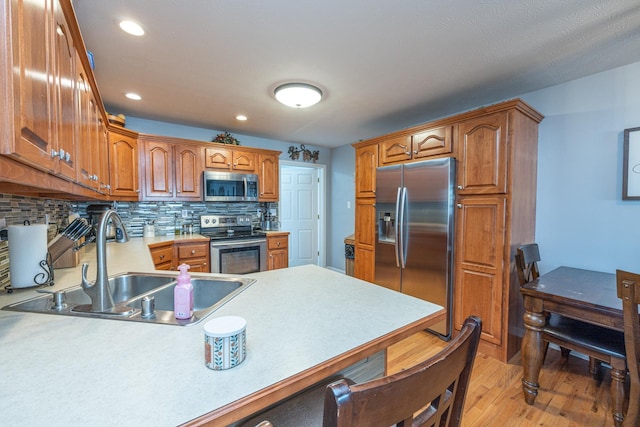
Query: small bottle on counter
[(176, 225), (183, 294)]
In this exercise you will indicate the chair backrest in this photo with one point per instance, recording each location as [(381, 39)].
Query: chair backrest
[(439, 384), (527, 257), (628, 285)]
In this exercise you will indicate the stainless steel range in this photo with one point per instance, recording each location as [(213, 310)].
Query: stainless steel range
[(235, 247)]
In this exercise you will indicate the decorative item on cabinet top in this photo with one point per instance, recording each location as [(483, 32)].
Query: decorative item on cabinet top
[(226, 138), (118, 120), (307, 155)]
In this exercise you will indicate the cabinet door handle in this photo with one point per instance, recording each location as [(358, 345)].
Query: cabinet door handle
[(415, 152), (460, 187), (277, 243), (459, 205), (161, 256), (193, 251), (408, 153)]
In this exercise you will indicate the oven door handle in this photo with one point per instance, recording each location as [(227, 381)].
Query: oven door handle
[(238, 243)]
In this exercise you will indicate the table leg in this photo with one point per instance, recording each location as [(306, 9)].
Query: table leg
[(618, 376), (532, 347)]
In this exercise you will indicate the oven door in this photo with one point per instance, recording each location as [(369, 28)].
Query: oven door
[(239, 256)]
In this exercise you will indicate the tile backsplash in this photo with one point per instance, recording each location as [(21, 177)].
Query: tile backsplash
[(17, 209)]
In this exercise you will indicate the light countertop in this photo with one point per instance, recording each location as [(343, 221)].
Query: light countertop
[(61, 370)]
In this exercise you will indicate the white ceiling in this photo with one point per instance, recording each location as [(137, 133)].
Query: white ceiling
[(383, 65)]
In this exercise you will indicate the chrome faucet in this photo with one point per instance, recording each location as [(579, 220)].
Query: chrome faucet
[(99, 291)]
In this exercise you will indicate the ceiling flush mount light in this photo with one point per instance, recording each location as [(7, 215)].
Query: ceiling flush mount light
[(298, 95), (133, 96), (241, 117), (132, 28)]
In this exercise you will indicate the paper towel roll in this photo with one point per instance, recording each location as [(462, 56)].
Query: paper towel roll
[(27, 247)]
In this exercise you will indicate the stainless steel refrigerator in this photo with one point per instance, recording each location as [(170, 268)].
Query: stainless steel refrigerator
[(414, 236)]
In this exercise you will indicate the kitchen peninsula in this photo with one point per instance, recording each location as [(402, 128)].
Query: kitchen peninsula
[(303, 325)]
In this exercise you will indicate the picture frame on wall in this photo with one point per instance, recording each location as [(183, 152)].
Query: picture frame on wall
[(631, 166)]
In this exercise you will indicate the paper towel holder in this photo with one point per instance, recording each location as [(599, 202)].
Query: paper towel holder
[(44, 278), (64, 241)]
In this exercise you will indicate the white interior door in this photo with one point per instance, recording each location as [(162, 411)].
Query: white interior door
[(299, 213)]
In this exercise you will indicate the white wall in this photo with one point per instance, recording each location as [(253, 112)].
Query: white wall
[(581, 218), (342, 213)]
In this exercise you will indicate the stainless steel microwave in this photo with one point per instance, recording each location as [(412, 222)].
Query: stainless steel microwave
[(230, 187)]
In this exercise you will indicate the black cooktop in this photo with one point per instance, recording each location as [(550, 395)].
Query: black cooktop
[(236, 235)]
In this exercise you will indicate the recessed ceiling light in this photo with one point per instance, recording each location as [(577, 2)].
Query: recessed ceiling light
[(298, 95), (241, 117), (133, 96), (131, 27)]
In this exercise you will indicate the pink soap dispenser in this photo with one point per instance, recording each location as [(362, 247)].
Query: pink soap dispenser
[(183, 294)]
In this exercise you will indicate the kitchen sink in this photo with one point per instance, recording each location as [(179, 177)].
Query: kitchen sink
[(131, 290)]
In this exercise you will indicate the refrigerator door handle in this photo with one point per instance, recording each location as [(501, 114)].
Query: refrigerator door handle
[(403, 235), (397, 227)]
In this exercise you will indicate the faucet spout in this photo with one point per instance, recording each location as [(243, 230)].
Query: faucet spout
[(99, 291)]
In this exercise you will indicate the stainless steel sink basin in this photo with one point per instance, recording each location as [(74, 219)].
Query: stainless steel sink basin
[(129, 290)]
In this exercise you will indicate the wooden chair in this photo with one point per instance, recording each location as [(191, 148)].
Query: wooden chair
[(431, 393), (629, 290), (598, 343)]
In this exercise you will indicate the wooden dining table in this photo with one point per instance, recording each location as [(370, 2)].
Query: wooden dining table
[(586, 295)]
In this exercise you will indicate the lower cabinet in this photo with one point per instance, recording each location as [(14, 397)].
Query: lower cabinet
[(196, 254), (168, 255), (277, 251), (480, 260), (162, 255), (365, 239)]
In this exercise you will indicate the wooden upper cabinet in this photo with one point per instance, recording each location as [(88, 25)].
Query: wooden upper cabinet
[(30, 70), (395, 150), (244, 161), (218, 158), (482, 165), (268, 177), (123, 164), (172, 170), (366, 164), (229, 159), (427, 143), (83, 120), (188, 170), (158, 166), (64, 95), (432, 142), (102, 169)]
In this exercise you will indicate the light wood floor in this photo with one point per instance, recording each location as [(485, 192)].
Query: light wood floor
[(568, 396)]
